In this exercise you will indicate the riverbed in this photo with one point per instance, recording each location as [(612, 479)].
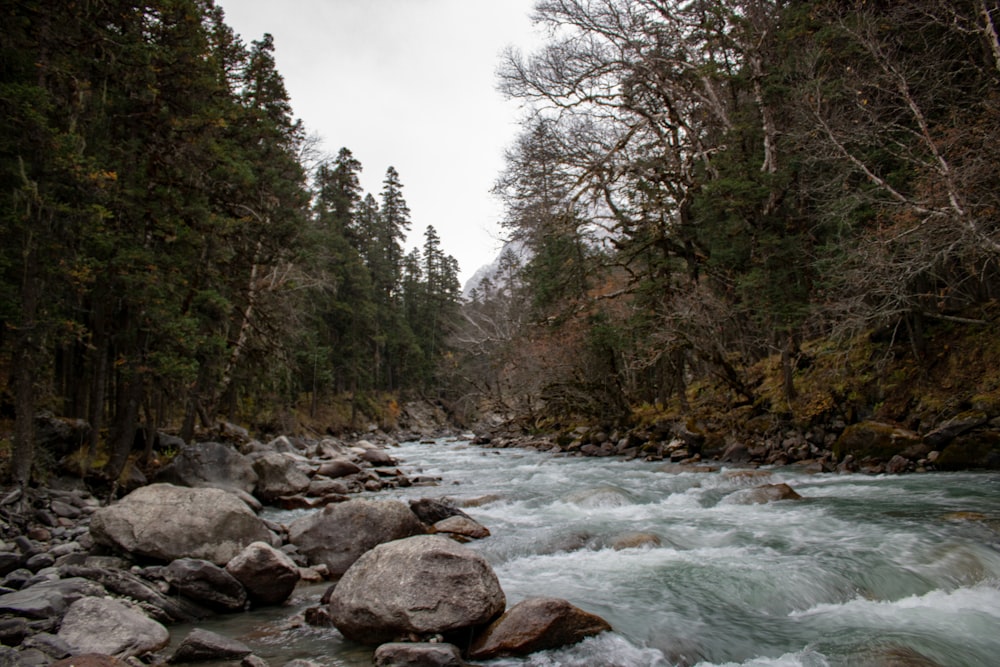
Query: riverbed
[(863, 570)]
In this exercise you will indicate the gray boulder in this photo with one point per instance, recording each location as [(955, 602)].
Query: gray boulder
[(101, 625), (168, 522), (278, 475), (268, 575), (421, 585), (209, 464), (206, 583), (202, 645), (418, 654), (49, 599), (536, 624), (337, 535)]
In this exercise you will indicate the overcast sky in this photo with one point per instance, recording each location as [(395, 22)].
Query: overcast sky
[(409, 84)]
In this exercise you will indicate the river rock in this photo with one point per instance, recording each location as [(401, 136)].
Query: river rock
[(338, 534), (536, 624), (765, 493), (101, 625), (202, 645), (209, 464), (167, 522), (90, 660), (418, 654), (421, 585), (462, 527), (432, 510), (603, 496), (375, 455), (49, 599), (278, 475), (978, 449), (874, 439), (206, 583), (268, 575), (954, 427), (634, 540), (121, 582), (338, 468)]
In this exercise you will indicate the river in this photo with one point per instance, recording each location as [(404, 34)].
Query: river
[(864, 570)]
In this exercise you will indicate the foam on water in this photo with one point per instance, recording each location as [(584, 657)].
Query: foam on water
[(862, 568)]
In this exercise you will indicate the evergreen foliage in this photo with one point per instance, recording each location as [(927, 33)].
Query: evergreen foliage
[(164, 258)]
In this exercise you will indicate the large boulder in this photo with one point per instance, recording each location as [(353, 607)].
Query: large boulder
[(278, 475), (209, 464), (101, 625), (536, 624), (421, 585), (167, 522), (979, 449), (206, 583), (874, 439), (268, 575), (337, 535)]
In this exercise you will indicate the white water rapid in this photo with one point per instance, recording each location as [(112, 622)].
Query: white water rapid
[(885, 570)]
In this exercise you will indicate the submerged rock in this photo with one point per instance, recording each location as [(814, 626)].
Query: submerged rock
[(536, 624), (421, 585), (634, 540), (765, 493)]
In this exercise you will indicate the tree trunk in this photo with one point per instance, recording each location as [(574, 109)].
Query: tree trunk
[(126, 425), (26, 361)]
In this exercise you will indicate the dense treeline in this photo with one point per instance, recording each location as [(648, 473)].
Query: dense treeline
[(702, 185), (172, 249)]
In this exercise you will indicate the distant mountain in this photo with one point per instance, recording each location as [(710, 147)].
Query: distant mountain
[(492, 271)]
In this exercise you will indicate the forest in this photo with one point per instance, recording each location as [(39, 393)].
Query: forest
[(175, 250), (773, 208)]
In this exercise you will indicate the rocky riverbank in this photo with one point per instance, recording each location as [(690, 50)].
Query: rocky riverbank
[(82, 576), (966, 441)]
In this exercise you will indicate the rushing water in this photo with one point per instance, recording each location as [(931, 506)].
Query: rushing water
[(885, 570)]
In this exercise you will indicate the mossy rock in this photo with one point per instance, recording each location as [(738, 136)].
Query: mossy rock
[(979, 449), (874, 439)]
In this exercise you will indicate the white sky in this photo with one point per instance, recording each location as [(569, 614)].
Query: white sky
[(411, 84)]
